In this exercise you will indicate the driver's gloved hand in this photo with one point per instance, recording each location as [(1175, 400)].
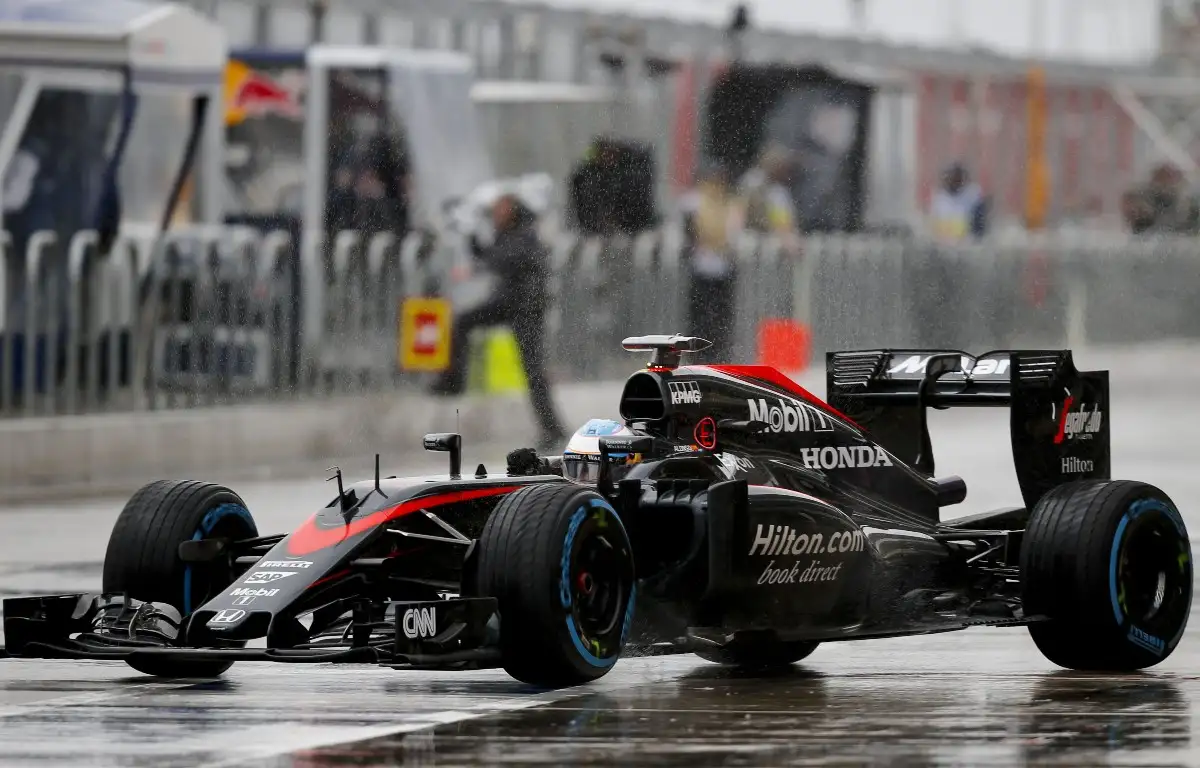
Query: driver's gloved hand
[(525, 461)]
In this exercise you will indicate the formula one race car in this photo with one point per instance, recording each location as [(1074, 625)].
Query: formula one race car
[(733, 515)]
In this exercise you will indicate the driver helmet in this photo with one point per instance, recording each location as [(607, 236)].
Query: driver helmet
[(581, 459)]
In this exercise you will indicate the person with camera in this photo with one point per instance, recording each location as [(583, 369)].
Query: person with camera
[(520, 262)]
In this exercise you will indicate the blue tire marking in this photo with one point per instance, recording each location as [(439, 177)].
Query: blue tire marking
[(565, 584), (1146, 640), (1112, 570), (1137, 636), (628, 615), (587, 655), (207, 524)]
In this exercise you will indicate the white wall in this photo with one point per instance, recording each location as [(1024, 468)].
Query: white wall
[(1125, 31)]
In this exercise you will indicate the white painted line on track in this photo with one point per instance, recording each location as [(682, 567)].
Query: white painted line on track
[(427, 720), (284, 732), (97, 697)]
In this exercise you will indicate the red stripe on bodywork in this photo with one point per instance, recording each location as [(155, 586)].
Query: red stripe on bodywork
[(329, 578), (308, 538), (768, 375), (1062, 420)]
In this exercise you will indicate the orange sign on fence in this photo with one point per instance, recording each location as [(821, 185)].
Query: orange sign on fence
[(784, 344)]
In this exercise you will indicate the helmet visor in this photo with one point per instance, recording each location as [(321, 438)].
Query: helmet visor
[(584, 468)]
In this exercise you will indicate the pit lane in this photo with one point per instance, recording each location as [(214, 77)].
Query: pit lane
[(980, 697)]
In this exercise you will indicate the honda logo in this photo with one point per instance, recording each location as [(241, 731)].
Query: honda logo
[(227, 616)]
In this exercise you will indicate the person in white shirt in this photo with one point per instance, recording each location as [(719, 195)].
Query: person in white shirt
[(959, 209), (713, 220)]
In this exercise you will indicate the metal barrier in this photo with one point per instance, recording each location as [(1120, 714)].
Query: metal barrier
[(229, 315)]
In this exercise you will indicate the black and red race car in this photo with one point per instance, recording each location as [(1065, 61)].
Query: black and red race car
[(738, 517)]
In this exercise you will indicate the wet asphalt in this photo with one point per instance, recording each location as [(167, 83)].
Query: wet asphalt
[(978, 697)]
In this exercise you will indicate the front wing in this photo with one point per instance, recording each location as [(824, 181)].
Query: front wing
[(454, 633), (459, 633)]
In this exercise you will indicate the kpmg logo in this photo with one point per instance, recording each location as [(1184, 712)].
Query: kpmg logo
[(685, 392)]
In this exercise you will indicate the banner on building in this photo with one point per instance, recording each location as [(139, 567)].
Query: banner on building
[(821, 119)]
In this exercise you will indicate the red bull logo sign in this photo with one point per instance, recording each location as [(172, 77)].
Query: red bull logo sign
[(250, 93)]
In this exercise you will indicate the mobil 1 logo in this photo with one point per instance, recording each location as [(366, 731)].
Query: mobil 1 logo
[(247, 595), (782, 416)]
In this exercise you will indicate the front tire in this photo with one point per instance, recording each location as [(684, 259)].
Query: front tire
[(143, 555), (558, 561), (1109, 563)]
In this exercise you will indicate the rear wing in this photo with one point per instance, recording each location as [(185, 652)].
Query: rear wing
[(1058, 423)]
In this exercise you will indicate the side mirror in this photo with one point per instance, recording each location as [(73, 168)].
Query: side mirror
[(447, 442)]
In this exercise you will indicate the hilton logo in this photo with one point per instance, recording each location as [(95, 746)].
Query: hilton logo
[(1074, 466)]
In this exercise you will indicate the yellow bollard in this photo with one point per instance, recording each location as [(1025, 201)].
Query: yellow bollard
[(503, 371)]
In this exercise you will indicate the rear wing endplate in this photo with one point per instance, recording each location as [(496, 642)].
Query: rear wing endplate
[(1058, 415)]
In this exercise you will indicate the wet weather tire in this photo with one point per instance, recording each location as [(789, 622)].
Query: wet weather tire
[(558, 561), (1109, 563), (143, 555)]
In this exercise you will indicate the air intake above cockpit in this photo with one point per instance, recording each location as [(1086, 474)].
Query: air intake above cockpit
[(643, 398)]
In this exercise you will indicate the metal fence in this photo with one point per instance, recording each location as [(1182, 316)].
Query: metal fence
[(229, 315)]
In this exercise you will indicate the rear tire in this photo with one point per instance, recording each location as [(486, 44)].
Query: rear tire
[(558, 561), (143, 555), (1109, 563)]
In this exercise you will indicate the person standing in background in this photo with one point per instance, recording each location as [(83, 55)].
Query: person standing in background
[(959, 207), (713, 219), (611, 191), (1163, 206), (770, 209), (520, 262)]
